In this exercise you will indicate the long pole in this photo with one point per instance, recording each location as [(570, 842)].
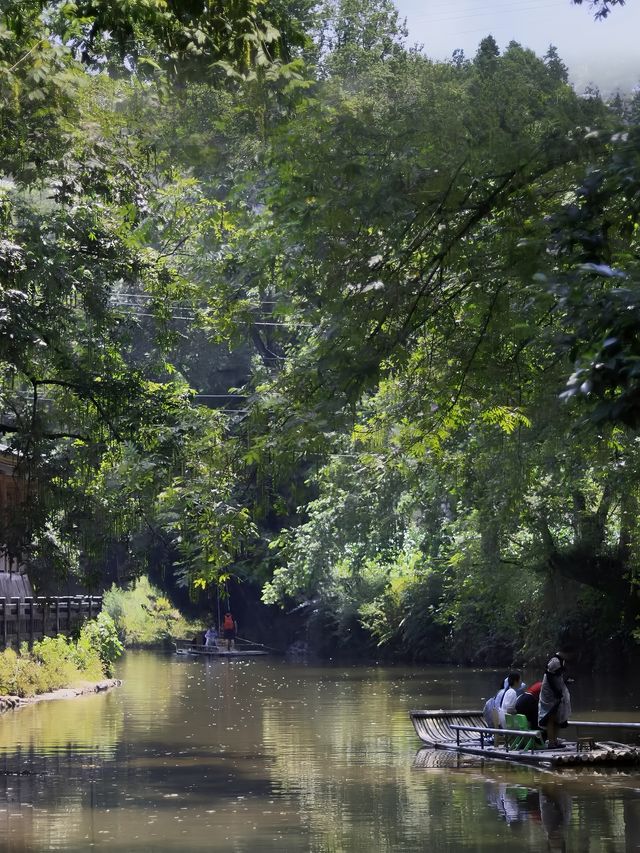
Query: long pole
[(601, 724), (253, 643)]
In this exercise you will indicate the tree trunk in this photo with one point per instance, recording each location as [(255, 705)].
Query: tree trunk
[(590, 527), (628, 516), (548, 542)]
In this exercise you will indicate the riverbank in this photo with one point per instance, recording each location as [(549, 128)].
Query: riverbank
[(10, 703)]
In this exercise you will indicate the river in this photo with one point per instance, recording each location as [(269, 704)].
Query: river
[(263, 755)]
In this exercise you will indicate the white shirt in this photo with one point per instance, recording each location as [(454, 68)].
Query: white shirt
[(506, 703)]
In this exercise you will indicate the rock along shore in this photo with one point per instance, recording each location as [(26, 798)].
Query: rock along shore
[(7, 703)]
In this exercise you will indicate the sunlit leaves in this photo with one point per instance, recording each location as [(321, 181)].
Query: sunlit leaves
[(184, 41), (506, 418)]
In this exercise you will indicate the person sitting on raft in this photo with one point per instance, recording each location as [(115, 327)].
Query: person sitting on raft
[(493, 702), (211, 637), (527, 704), (489, 707), (519, 690), (554, 706), (506, 699)]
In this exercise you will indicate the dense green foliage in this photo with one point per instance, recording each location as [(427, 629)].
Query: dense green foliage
[(56, 662), (143, 616), (287, 302)]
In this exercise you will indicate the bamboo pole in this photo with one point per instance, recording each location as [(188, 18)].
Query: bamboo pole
[(17, 606), (601, 724)]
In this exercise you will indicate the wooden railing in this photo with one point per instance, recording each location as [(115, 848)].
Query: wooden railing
[(29, 619)]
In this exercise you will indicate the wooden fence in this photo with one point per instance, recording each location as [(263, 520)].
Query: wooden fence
[(29, 619)]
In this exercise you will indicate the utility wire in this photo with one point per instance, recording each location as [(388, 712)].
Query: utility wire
[(446, 6), (129, 294), (501, 10), (129, 304), (194, 317)]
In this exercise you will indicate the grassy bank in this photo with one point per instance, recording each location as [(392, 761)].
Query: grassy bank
[(56, 662)]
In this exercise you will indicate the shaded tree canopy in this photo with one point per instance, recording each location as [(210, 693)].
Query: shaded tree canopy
[(285, 301)]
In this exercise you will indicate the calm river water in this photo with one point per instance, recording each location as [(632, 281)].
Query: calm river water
[(263, 755)]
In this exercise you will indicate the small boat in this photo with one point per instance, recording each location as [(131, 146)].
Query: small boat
[(467, 732), (187, 647)]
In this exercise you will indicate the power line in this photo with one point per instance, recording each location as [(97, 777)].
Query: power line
[(155, 316), (447, 5), (194, 317), (179, 307), (501, 10), (130, 295)]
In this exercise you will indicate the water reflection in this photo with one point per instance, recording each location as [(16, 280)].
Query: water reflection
[(88, 723), (548, 807), (265, 756), (543, 810)]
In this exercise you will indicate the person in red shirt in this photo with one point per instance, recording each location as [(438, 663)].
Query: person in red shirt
[(527, 704), (229, 629)]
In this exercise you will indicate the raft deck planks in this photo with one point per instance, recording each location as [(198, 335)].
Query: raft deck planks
[(437, 729), (185, 647), (220, 653)]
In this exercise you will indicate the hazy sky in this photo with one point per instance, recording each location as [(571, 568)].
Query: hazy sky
[(603, 52)]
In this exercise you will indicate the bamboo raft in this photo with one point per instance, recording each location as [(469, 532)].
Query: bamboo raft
[(186, 647), (467, 732)]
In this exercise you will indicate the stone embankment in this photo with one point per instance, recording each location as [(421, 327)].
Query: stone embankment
[(7, 703)]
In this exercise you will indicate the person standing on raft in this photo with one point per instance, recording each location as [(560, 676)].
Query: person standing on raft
[(554, 706), (229, 629)]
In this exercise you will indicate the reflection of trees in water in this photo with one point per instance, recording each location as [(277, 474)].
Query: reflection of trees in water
[(156, 751), (154, 685), (93, 722), (607, 813), (330, 738), (52, 756), (316, 759), (336, 744), (631, 811), (43, 795), (63, 761)]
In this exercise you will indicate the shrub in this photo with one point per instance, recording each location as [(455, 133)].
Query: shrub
[(144, 616), (19, 674), (24, 675), (29, 677), (99, 643), (8, 660), (55, 656), (56, 662)]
